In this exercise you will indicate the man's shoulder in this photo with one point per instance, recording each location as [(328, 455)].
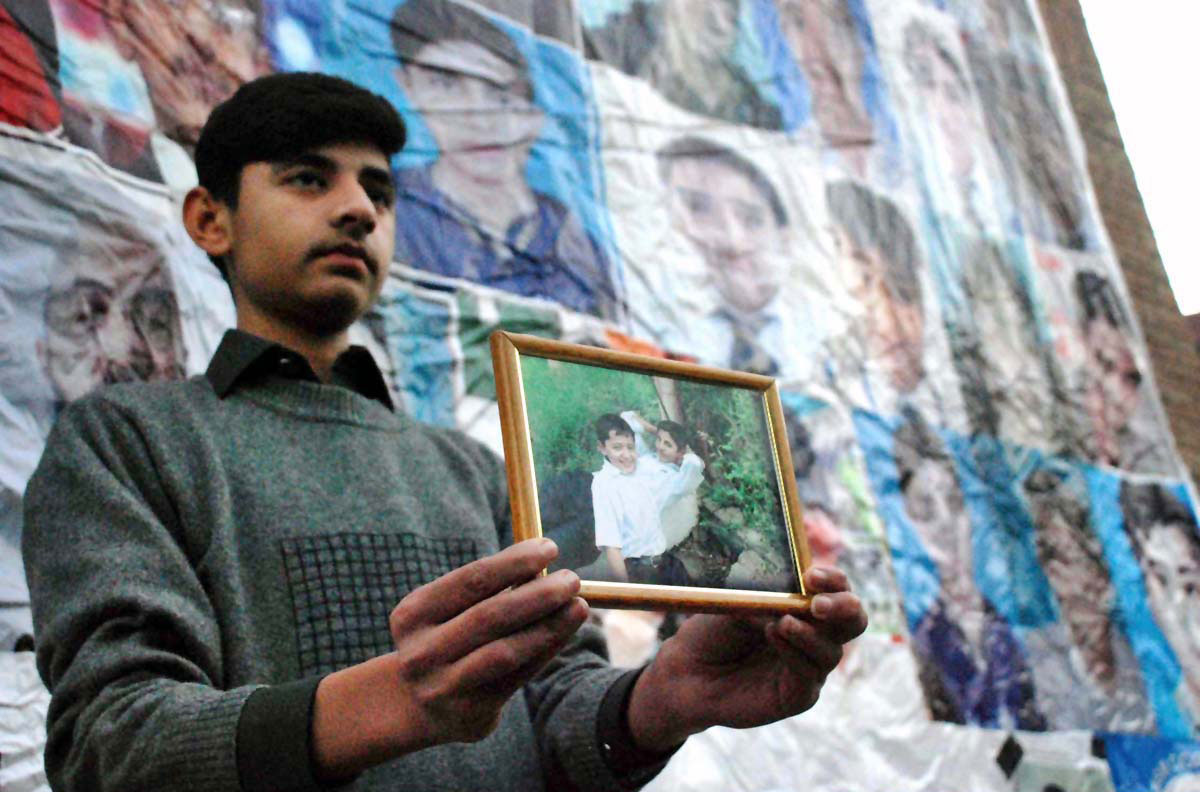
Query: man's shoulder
[(142, 398)]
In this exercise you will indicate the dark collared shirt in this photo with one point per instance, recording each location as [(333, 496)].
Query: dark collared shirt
[(243, 357)]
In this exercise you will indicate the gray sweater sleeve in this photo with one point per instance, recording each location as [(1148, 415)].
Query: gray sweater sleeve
[(127, 639)]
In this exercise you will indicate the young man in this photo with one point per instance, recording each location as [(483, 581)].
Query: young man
[(215, 564)]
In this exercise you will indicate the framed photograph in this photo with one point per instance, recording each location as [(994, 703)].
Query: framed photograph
[(666, 485)]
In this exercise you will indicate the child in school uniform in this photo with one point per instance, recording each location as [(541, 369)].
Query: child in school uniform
[(629, 496)]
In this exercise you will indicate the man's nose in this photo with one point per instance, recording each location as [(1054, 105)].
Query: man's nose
[(355, 211)]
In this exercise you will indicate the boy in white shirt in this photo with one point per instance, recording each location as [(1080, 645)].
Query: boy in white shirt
[(628, 500)]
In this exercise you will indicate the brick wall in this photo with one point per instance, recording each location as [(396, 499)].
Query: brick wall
[(1194, 323), (1172, 348)]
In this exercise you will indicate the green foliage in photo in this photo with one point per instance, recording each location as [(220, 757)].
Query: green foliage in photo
[(742, 495)]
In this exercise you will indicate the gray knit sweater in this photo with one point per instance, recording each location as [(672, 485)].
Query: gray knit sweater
[(191, 557)]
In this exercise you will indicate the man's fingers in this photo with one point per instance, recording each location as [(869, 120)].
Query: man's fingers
[(502, 615), (804, 647), (504, 665), (840, 616), (456, 591), (825, 579)]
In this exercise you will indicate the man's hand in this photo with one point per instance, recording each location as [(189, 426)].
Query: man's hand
[(720, 670), (465, 643)]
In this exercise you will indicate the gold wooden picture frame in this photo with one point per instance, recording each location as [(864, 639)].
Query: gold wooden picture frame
[(745, 550)]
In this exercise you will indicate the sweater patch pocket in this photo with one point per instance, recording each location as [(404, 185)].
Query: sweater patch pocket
[(344, 586)]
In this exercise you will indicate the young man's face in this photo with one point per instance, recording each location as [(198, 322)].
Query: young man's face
[(667, 449), (731, 222), (620, 450), (474, 104), (311, 237), (1171, 564)]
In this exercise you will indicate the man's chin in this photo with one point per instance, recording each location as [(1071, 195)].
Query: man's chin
[(334, 312)]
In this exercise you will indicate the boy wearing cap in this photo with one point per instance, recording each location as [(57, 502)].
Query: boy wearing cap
[(215, 564)]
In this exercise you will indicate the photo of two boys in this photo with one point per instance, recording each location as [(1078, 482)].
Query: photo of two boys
[(644, 498), (689, 497)]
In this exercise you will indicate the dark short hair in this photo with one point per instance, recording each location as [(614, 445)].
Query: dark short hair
[(697, 148), (281, 116), (1098, 300), (873, 222), (420, 23), (609, 423), (679, 433)]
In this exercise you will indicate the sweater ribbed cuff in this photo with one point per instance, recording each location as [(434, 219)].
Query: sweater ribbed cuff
[(591, 765), (273, 739)]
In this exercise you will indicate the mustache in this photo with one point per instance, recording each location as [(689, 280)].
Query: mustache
[(346, 249)]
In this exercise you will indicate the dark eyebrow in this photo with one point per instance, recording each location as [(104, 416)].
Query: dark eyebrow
[(309, 158), (378, 178)]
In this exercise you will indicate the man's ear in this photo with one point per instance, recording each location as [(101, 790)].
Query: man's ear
[(208, 222)]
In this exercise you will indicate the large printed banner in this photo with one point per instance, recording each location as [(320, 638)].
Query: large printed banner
[(882, 203)]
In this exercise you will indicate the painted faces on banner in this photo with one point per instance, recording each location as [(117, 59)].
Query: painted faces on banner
[(193, 54), (1110, 694), (551, 18), (29, 66), (473, 211), (136, 74), (1113, 416), (690, 53), (942, 96), (1008, 384), (973, 669), (479, 108), (1024, 120), (111, 315), (827, 47), (106, 311), (727, 209), (840, 514), (879, 262), (1112, 388), (1162, 532), (731, 215)]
